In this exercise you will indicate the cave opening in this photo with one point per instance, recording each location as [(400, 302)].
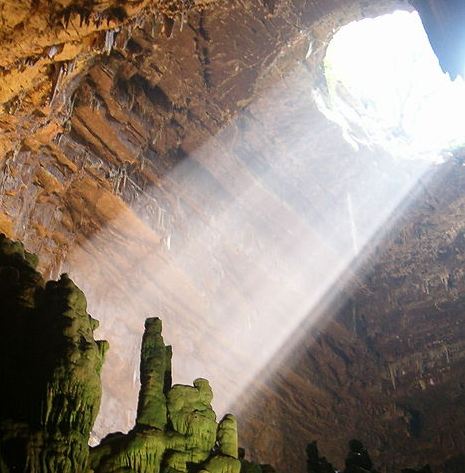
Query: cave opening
[(385, 87)]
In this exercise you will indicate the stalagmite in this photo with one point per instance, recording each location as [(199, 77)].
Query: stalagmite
[(50, 366)]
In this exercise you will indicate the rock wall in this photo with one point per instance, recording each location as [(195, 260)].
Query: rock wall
[(50, 367), (391, 359)]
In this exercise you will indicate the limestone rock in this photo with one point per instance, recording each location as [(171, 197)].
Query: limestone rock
[(82, 148), (315, 463), (227, 436), (155, 368), (250, 467), (358, 460), (50, 367), (176, 428)]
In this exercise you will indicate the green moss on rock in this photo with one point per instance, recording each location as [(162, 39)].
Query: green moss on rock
[(52, 365), (154, 366), (176, 429), (227, 436), (222, 464)]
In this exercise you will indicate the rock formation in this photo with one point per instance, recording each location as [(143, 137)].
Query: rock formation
[(315, 463), (46, 46), (176, 428), (50, 373), (50, 368), (357, 461)]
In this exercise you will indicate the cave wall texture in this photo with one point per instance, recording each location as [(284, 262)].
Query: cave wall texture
[(100, 102)]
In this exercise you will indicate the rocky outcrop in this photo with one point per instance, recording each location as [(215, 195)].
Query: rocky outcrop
[(50, 371), (46, 47), (176, 428), (357, 461)]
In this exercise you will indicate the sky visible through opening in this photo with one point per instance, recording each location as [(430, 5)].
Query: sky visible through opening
[(386, 88)]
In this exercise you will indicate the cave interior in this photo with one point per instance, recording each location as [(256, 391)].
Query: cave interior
[(204, 164)]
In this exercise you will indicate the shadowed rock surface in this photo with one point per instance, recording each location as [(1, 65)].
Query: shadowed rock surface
[(357, 461)]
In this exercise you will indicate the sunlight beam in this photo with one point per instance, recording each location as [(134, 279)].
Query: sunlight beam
[(268, 217)]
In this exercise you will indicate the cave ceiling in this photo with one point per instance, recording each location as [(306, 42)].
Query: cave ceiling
[(131, 129)]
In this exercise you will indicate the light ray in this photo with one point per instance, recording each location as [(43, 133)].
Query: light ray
[(267, 218)]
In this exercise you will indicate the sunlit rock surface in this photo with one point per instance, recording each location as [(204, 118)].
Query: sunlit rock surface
[(105, 183), (47, 46)]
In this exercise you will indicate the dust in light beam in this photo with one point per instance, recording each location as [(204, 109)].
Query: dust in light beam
[(268, 216)]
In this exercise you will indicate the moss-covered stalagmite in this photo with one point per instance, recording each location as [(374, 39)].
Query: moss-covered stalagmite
[(155, 374), (50, 369), (176, 428), (50, 377)]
